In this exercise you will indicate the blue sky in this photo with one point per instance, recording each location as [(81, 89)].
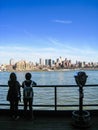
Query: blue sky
[(33, 29)]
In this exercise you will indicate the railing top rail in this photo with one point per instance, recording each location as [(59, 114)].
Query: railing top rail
[(88, 85)]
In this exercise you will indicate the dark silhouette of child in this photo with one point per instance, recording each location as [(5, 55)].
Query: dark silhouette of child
[(28, 94), (14, 95)]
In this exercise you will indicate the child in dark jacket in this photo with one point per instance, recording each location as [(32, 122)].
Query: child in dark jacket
[(14, 95)]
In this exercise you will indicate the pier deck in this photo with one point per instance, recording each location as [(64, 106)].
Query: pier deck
[(44, 121)]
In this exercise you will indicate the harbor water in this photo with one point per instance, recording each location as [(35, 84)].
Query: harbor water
[(45, 95)]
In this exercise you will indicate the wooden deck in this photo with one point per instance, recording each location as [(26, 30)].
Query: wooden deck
[(44, 121)]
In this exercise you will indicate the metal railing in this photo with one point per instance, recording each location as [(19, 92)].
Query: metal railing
[(56, 105)]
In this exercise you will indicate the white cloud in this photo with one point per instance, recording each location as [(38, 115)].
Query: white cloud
[(63, 21), (54, 50), (27, 53)]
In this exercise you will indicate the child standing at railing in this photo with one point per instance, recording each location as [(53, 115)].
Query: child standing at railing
[(28, 94), (14, 95)]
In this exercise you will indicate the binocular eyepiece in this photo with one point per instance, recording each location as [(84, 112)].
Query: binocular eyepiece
[(80, 78)]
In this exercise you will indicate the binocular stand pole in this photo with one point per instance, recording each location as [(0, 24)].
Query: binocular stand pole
[(81, 118)]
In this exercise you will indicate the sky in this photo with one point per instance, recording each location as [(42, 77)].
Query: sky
[(33, 29)]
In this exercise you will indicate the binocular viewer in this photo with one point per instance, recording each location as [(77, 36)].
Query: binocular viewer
[(81, 118), (80, 78)]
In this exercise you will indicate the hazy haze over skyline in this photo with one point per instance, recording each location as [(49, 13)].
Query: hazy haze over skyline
[(33, 29)]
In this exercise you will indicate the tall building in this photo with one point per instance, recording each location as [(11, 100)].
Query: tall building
[(50, 62), (46, 62), (41, 61), (11, 62)]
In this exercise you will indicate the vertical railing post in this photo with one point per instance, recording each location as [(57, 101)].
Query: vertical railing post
[(55, 92)]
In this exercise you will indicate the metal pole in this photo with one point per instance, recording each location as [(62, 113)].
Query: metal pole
[(80, 100), (55, 98)]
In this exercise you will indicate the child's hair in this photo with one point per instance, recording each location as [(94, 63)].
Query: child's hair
[(13, 76), (28, 76)]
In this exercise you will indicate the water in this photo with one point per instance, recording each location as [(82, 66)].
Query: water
[(65, 96)]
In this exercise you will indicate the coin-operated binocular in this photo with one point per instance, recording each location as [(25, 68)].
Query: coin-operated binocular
[(81, 118), (80, 78)]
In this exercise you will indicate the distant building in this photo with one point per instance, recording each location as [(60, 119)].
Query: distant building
[(11, 62), (41, 61), (46, 62), (50, 62)]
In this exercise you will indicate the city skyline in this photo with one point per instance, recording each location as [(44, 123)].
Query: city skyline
[(36, 29), (42, 61)]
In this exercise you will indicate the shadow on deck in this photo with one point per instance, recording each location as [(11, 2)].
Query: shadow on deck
[(45, 120)]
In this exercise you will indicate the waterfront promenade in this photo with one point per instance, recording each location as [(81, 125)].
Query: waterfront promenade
[(45, 121)]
